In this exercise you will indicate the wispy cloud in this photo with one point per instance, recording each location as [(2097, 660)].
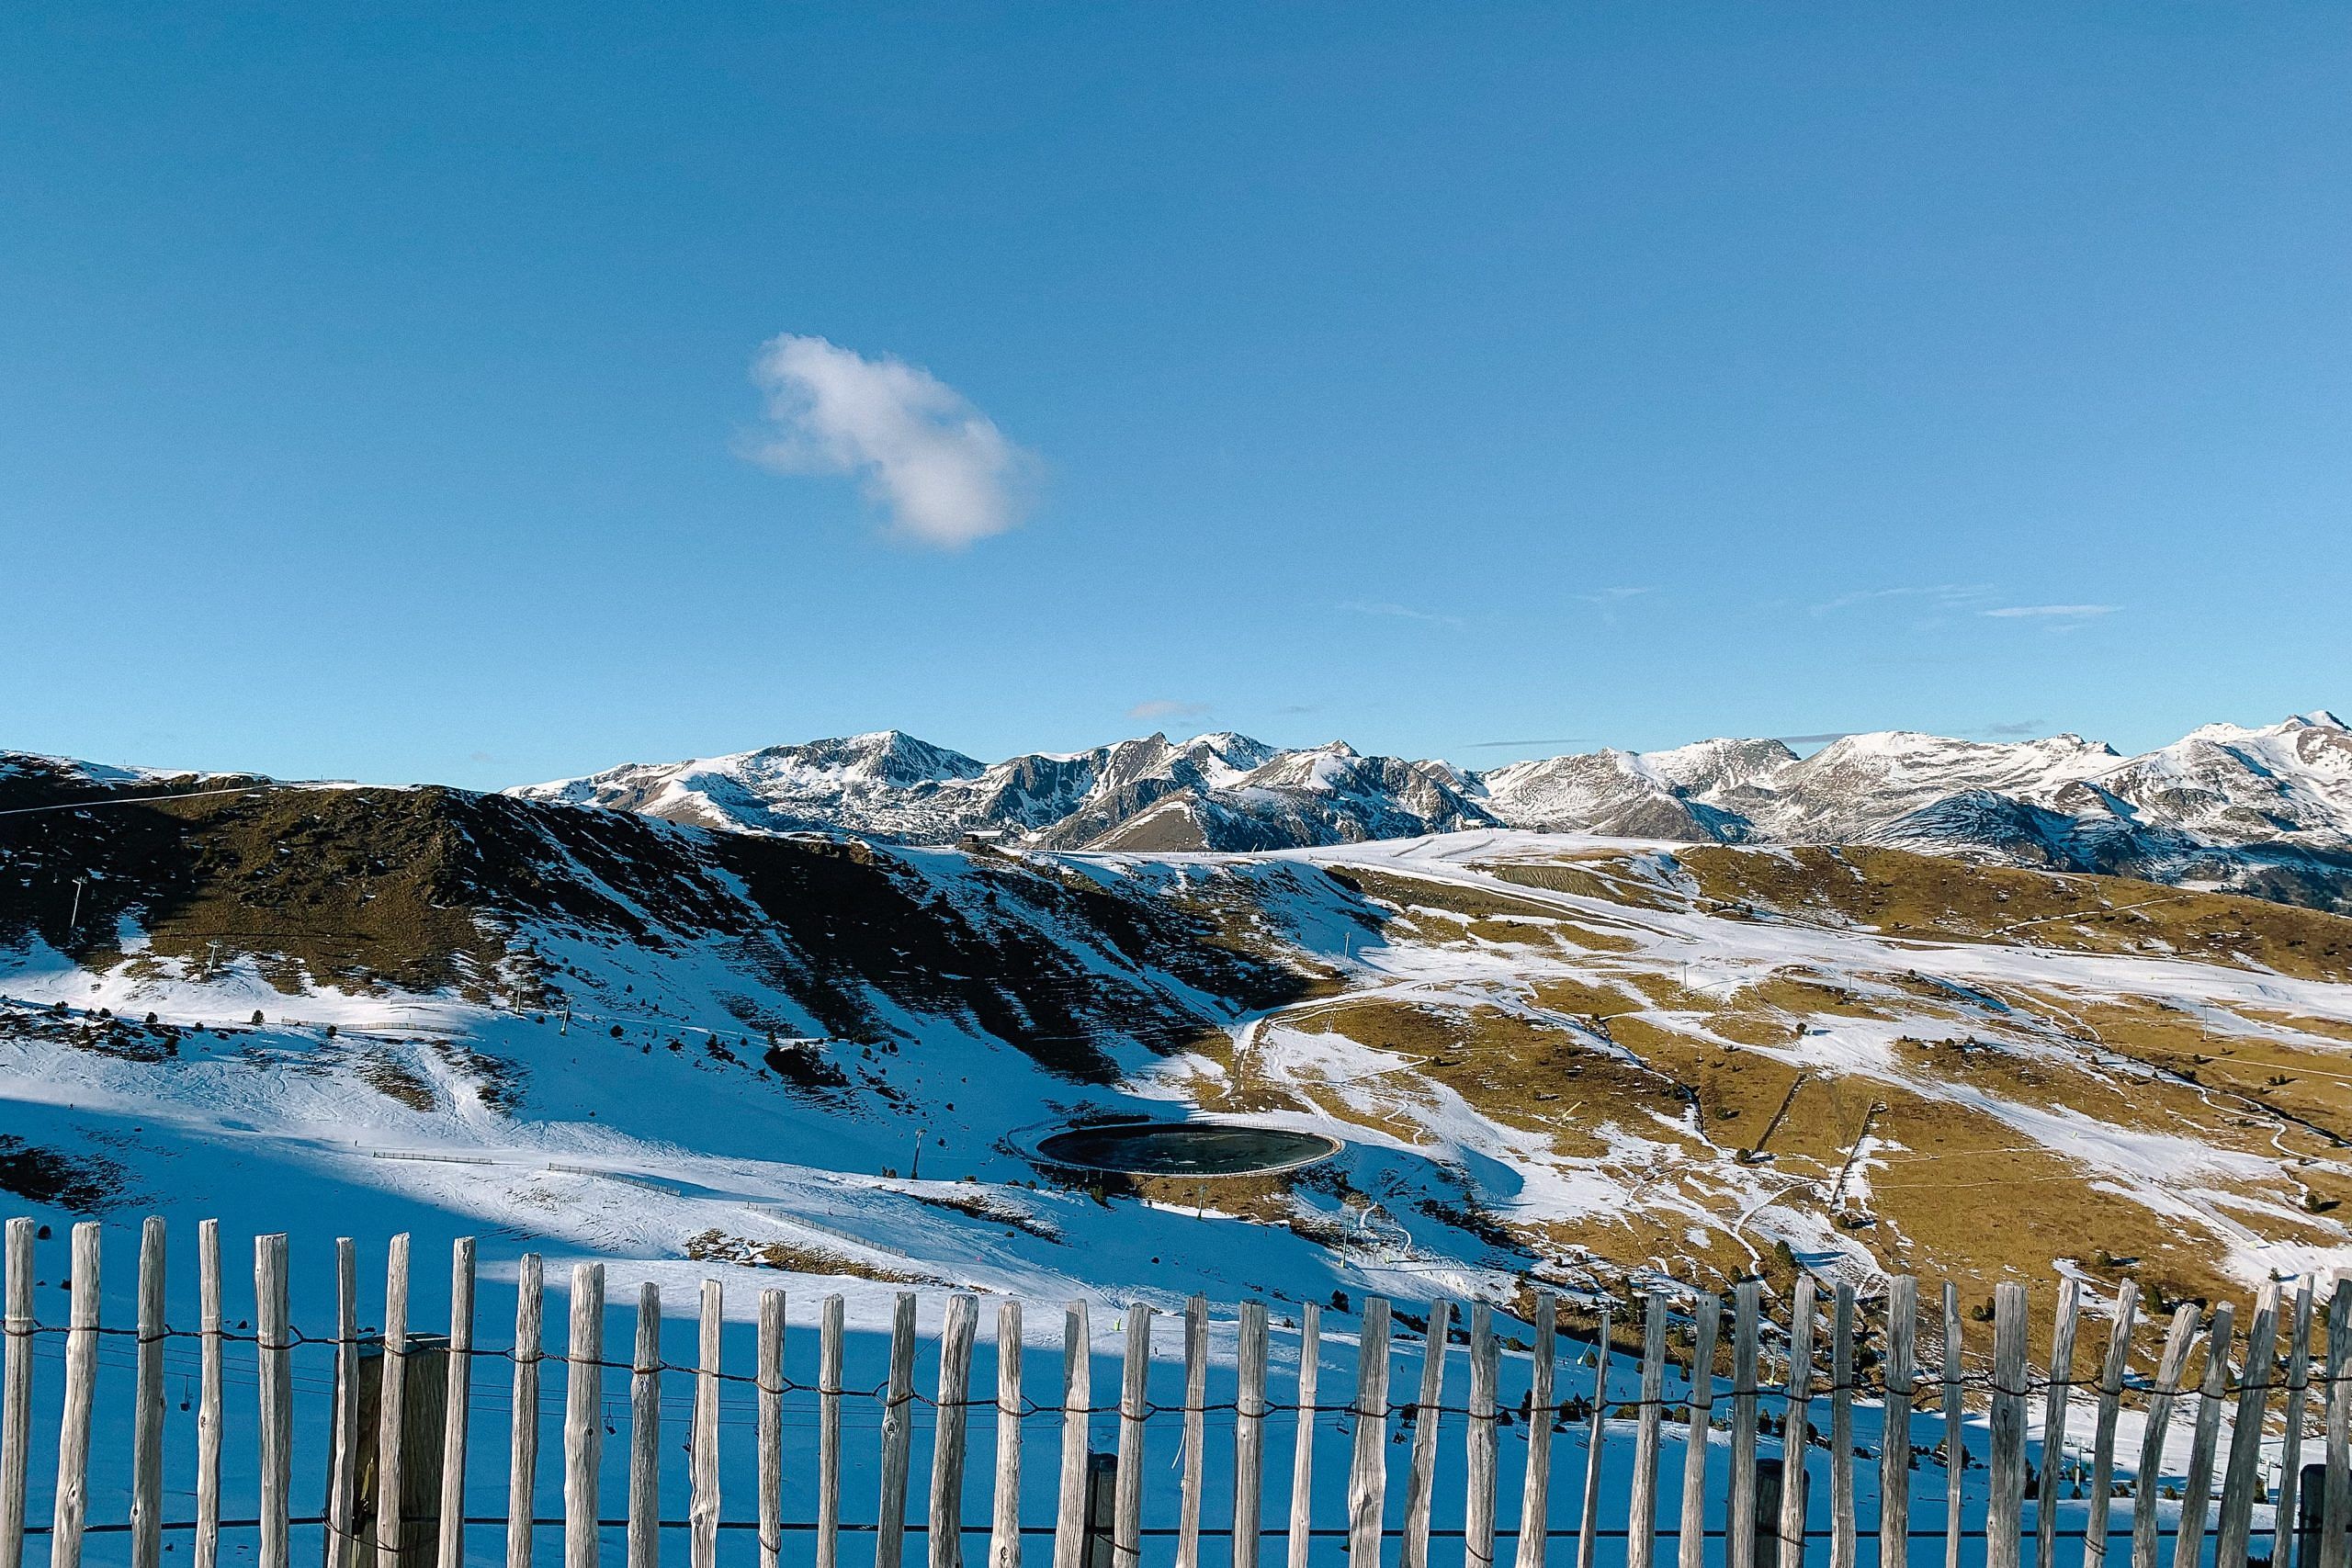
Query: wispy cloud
[(2050, 611), (1939, 596), (1167, 707), (2016, 729), (940, 468), (1613, 595), (1540, 740), (1398, 612), (1824, 739)]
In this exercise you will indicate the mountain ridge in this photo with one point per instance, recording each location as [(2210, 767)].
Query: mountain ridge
[(2263, 810)]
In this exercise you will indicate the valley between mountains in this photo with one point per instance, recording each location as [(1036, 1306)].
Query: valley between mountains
[(1570, 1058)]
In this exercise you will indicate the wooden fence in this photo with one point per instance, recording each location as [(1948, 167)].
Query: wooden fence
[(397, 1430)]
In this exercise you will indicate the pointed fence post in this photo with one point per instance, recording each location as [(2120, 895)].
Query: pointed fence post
[(2283, 1533), (2054, 1425), (1127, 1529), (2239, 1478), (208, 1400), (702, 1502), (271, 1349), (1843, 1547), (1302, 1466), (1955, 1430), (1706, 1323), (2197, 1489), (2005, 1509), (1005, 1514), (1543, 1410), (1070, 1511), (17, 1403), (1478, 1442), (645, 1432), (1795, 1426), (1740, 1529), (391, 1397), (898, 1435), (1641, 1502), (2335, 1506), (950, 1432), (583, 1416), (2161, 1399), (73, 1501), (1368, 1471), (1420, 1477), (828, 1430), (1895, 1430), (523, 1450), (147, 1413), (2112, 1372), (1197, 1396), (1250, 1410), (769, 1371), (457, 1404), (342, 1440), (1596, 1427)]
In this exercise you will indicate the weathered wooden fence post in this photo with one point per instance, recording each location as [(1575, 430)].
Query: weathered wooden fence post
[(457, 1404), (16, 1403), (1127, 1529), (1739, 1529), (898, 1435), (1843, 1548), (523, 1451), (2005, 1508), (1542, 1409), (1478, 1442), (1004, 1513), (949, 1431), (644, 1538), (2055, 1408), (147, 1413), (1596, 1426), (74, 1425), (2161, 1399), (2335, 1512), (392, 1408), (207, 1405), (1420, 1476), (1955, 1430), (272, 1345), (1706, 1323), (2112, 1372), (2197, 1490), (769, 1372), (1368, 1468), (1302, 1462), (583, 1416), (1894, 1431), (1641, 1502), (1070, 1511), (702, 1500), (1796, 1425), (829, 1432), (1250, 1410), (2238, 1481), (1196, 1397), (2284, 1534)]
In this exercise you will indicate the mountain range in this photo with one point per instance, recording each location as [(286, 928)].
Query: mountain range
[(2267, 811)]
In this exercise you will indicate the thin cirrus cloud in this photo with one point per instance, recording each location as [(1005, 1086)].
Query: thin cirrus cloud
[(1398, 612), (937, 466), (2050, 611), (1937, 595)]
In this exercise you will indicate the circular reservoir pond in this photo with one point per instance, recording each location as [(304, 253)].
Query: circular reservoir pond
[(1185, 1149)]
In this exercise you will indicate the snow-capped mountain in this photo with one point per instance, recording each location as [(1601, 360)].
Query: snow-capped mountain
[(2267, 810)]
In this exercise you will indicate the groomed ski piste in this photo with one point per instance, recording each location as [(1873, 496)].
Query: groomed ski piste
[(344, 1113)]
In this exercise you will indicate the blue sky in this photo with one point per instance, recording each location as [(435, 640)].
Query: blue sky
[(378, 387)]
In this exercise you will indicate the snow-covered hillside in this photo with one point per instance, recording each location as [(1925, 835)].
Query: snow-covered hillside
[(1545, 1057)]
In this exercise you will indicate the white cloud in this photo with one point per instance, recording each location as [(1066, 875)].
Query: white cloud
[(1939, 596), (2049, 612), (1166, 707), (940, 467)]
